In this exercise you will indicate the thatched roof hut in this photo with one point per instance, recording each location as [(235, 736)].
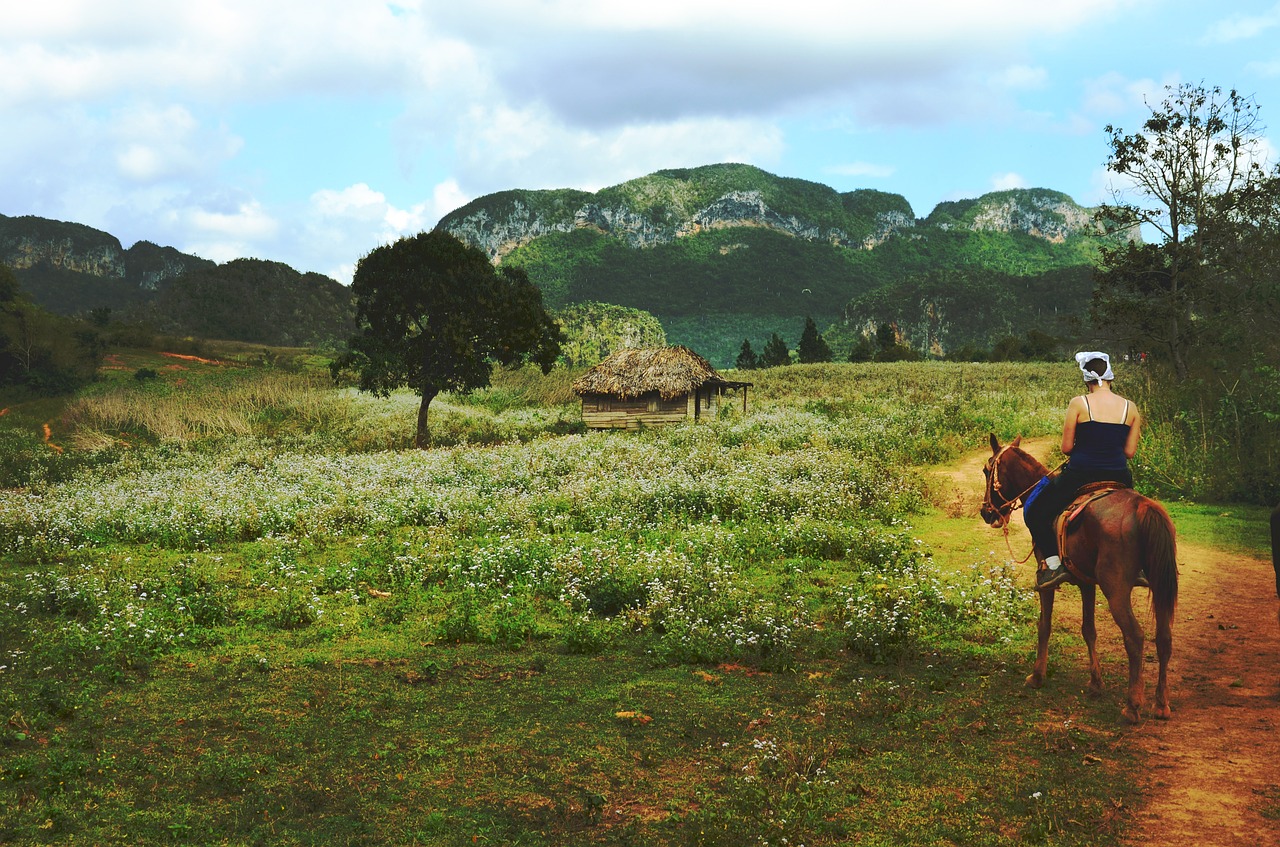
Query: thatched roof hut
[(651, 386)]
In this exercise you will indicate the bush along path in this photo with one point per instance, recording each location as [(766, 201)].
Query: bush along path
[(1211, 775)]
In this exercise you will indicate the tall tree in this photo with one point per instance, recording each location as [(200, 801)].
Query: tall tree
[(41, 351), (747, 358), (775, 353), (862, 351), (1184, 174), (812, 347), (434, 315)]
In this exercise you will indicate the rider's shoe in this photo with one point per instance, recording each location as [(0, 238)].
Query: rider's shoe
[(1047, 579)]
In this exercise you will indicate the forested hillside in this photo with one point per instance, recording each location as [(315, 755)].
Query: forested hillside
[(727, 252), (71, 269), (717, 254), (255, 301)]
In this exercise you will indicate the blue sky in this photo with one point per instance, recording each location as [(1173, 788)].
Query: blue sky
[(311, 131)]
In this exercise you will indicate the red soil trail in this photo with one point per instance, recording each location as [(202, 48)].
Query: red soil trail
[(1213, 771)]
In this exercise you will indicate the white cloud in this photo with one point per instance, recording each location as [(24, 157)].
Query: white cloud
[(1006, 181), (446, 197), (1021, 78), (247, 223), (88, 50), (155, 144), (1264, 69), (599, 64), (1242, 27), (343, 224), (1113, 96), (530, 148), (357, 202)]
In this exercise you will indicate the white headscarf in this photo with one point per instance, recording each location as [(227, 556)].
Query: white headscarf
[(1089, 376)]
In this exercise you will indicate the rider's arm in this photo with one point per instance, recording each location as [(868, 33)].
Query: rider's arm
[(1069, 425), (1135, 433)]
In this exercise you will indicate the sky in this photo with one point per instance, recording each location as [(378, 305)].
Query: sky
[(311, 131)]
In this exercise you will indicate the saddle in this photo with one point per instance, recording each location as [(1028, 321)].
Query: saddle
[(1087, 494)]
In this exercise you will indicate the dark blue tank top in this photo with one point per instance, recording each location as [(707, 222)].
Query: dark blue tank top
[(1100, 446)]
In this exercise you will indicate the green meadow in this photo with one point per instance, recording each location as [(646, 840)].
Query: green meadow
[(236, 607)]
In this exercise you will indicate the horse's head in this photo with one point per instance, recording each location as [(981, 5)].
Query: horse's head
[(1007, 472)]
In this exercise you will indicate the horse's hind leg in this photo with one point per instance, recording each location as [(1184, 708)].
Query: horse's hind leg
[(1088, 597), (1122, 610), (1043, 629), (1164, 649)]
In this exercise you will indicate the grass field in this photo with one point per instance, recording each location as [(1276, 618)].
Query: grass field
[(238, 610)]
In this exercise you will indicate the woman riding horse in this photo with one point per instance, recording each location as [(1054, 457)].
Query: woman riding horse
[(1099, 436), (1117, 541)]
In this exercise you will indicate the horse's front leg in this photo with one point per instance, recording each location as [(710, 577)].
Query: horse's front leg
[(1089, 631), (1121, 607), (1043, 629)]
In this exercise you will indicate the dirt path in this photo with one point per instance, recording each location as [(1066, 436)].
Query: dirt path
[(1214, 778)]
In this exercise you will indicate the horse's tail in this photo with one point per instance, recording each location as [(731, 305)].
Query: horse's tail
[(1159, 554)]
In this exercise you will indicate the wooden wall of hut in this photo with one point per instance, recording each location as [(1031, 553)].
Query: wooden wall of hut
[(600, 411)]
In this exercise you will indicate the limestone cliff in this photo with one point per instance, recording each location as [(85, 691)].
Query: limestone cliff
[(39, 247), (29, 242), (1037, 212), (668, 205)]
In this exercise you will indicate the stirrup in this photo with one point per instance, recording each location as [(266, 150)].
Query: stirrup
[(1141, 581), (1049, 579)]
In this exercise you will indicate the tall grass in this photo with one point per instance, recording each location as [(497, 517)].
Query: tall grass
[(306, 411), (922, 412), (715, 633)]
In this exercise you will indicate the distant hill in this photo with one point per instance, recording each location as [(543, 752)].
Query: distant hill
[(725, 252), (716, 253), (72, 269), (255, 301)]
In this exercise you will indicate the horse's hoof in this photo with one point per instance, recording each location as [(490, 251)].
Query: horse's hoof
[(1130, 714), (1034, 681), (1163, 713)]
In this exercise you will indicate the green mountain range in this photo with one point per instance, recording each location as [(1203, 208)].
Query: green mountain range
[(717, 254), (726, 252), (72, 269)]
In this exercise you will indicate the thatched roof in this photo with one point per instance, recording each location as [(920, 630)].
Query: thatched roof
[(670, 371)]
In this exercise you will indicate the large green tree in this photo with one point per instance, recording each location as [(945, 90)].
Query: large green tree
[(435, 316), (1204, 296), (40, 351), (1185, 176), (812, 347), (775, 353)]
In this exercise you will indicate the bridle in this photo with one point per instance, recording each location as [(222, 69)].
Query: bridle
[(1008, 505)]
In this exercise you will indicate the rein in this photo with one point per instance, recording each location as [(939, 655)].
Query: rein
[(1011, 504)]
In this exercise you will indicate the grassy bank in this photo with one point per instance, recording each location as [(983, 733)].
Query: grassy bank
[(721, 634)]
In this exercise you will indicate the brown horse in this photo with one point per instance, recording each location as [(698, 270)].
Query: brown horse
[(1114, 540)]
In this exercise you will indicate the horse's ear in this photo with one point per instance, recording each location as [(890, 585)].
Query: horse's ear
[(1016, 441), (995, 444)]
